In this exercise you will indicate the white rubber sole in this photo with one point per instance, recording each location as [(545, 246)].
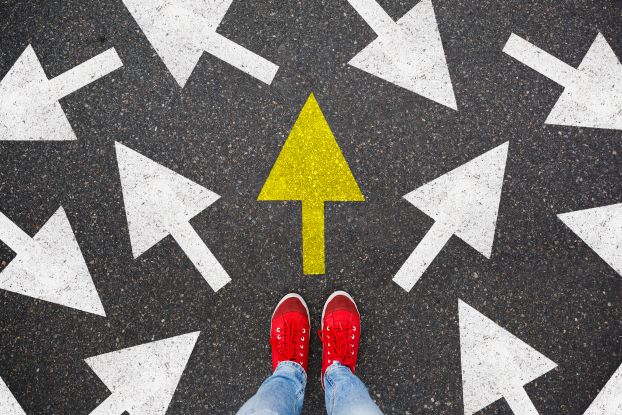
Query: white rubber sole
[(287, 297), (333, 295)]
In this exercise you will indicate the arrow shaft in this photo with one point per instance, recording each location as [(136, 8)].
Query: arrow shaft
[(13, 236), (240, 57), (374, 15), (85, 73), (423, 255), (540, 61), (200, 255), (313, 261), (519, 402), (204, 34)]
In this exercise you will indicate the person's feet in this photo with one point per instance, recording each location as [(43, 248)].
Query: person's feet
[(289, 332), (341, 330)]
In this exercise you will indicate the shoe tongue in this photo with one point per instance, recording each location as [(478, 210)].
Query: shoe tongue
[(290, 325), (341, 319)]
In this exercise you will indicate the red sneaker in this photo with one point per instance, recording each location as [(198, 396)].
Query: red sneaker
[(341, 331), (289, 331)]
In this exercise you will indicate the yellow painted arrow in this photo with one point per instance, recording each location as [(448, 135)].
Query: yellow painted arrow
[(311, 168)]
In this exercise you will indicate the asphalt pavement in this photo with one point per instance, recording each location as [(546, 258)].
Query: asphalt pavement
[(224, 130)]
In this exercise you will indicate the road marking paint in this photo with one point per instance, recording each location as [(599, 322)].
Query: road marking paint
[(8, 403), (592, 94), (312, 169), (408, 53), (29, 107), (180, 31), (601, 229), (159, 202), (142, 379), (496, 364), (50, 266), (463, 202)]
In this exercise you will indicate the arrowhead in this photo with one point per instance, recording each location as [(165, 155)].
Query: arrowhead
[(171, 34), (157, 199), (142, 379), (412, 57), (28, 108), (601, 229), (54, 270), (594, 99), (8, 404), (469, 196), (311, 165), (493, 360), (609, 400)]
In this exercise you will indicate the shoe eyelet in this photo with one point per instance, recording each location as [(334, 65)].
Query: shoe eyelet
[(353, 328), (327, 328), (302, 338), (329, 352), (278, 337), (302, 346), (278, 329), (353, 353), (304, 331), (353, 337)]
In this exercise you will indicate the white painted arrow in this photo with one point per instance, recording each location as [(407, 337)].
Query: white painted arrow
[(159, 202), (180, 30), (50, 266), (142, 379), (592, 94), (609, 400), (29, 107), (601, 229), (408, 53), (496, 364), (463, 202), (8, 403)]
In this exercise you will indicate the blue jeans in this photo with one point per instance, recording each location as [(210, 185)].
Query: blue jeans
[(283, 393)]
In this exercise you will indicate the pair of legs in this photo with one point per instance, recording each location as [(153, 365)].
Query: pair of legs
[(283, 392)]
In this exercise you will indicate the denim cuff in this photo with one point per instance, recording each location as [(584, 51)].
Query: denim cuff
[(292, 370), (329, 376)]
